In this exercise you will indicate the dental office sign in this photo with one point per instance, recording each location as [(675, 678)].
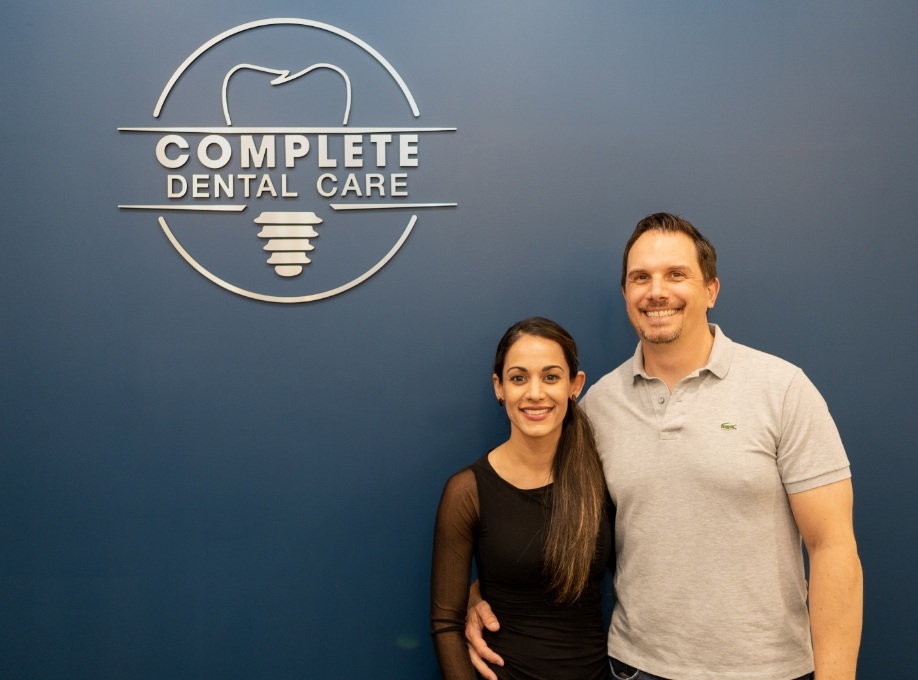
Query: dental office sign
[(275, 186)]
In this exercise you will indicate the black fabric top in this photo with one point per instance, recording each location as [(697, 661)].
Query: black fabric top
[(503, 527)]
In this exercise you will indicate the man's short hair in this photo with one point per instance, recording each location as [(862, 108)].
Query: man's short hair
[(666, 222)]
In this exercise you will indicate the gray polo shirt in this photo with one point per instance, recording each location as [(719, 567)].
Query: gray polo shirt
[(709, 580)]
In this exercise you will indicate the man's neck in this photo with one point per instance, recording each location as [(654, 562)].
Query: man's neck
[(672, 361)]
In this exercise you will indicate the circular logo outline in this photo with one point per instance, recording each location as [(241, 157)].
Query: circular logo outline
[(308, 23)]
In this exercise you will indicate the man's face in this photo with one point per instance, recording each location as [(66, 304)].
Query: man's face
[(665, 292)]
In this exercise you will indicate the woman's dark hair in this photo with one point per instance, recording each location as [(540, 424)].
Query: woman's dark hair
[(579, 488)]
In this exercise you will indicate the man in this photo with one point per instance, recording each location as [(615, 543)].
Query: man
[(719, 459)]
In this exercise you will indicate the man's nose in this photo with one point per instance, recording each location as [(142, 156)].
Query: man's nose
[(658, 287)]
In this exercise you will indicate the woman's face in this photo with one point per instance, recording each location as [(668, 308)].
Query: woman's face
[(536, 385)]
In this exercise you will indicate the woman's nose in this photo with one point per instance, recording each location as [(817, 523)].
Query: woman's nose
[(535, 389)]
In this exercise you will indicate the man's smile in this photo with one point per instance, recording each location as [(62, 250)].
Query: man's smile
[(660, 313)]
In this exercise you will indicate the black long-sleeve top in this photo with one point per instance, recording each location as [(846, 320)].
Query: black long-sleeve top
[(483, 516)]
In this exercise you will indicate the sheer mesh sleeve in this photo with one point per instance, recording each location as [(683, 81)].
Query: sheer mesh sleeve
[(454, 540)]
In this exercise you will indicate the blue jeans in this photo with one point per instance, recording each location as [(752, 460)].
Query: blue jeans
[(622, 671)]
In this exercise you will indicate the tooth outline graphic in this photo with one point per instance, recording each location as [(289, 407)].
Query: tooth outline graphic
[(308, 23), (288, 232), (284, 77)]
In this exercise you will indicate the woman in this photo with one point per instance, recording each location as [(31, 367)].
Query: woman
[(535, 515)]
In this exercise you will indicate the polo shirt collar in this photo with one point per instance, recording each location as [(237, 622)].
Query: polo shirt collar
[(718, 362)]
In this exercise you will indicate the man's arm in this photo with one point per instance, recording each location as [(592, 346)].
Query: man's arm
[(478, 617), (836, 584)]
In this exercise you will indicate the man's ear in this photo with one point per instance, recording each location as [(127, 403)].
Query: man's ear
[(713, 288)]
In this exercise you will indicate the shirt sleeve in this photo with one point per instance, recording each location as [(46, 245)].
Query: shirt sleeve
[(810, 451), (454, 540)]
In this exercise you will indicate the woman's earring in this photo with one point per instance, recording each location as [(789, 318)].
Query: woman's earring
[(500, 401)]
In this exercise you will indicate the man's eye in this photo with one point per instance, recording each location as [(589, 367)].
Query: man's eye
[(678, 275)]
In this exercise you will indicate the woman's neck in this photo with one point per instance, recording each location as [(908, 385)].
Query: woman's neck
[(525, 463)]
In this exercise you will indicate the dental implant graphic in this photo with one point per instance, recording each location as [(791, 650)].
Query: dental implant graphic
[(288, 235)]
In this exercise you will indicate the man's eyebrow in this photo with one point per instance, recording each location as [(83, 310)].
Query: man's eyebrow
[(669, 268)]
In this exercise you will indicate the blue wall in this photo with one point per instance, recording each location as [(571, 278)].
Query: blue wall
[(195, 484)]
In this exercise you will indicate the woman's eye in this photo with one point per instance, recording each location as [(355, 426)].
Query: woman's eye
[(516, 379), (551, 377)]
